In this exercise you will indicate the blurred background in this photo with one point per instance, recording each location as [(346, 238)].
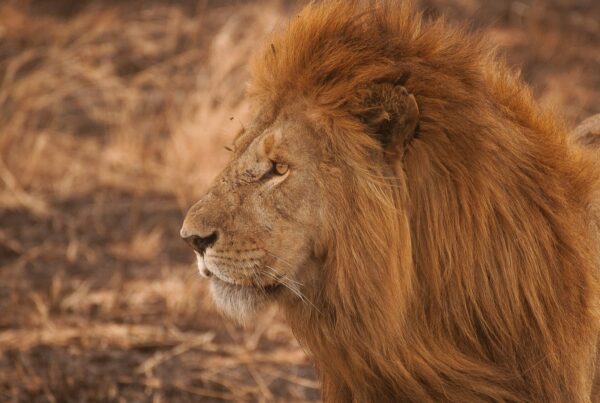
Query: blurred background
[(113, 119)]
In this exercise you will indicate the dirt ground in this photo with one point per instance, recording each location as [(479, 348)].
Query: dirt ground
[(113, 118)]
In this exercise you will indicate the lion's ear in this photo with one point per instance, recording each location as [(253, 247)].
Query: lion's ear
[(392, 114)]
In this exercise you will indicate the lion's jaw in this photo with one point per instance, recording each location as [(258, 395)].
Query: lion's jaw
[(262, 213), (238, 298)]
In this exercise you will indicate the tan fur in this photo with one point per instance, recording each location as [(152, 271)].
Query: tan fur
[(458, 263), (587, 133)]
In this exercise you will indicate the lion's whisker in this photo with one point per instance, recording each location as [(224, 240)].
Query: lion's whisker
[(256, 280), (279, 258), (285, 276), (295, 288), (283, 280)]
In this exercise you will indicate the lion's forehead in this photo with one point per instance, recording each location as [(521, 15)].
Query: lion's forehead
[(247, 136)]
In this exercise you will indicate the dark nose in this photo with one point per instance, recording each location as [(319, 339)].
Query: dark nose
[(199, 243)]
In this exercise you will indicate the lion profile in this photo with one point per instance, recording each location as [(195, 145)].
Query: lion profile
[(423, 224)]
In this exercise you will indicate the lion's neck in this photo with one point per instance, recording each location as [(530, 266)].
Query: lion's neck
[(382, 353), (356, 326)]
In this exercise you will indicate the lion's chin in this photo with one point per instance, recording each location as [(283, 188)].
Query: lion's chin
[(240, 303)]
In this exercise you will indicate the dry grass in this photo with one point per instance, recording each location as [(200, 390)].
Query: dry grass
[(113, 118)]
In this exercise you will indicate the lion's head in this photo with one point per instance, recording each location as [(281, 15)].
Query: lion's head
[(262, 231), (421, 221), (255, 232)]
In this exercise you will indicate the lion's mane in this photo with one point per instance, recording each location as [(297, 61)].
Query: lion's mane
[(471, 275)]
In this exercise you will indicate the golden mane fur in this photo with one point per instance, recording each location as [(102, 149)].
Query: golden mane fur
[(471, 275)]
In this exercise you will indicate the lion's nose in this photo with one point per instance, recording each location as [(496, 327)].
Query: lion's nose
[(200, 243)]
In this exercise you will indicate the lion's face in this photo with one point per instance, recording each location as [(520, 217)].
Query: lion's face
[(255, 230)]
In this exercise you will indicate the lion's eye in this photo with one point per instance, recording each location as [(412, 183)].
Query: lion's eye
[(277, 169), (280, 168)]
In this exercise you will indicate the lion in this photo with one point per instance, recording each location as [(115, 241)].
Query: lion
[(424, 226)]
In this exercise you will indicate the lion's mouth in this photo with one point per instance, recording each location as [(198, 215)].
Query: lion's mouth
[(265, 289), (247, 286)]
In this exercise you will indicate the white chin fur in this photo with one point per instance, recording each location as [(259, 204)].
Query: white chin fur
[(239, 304)]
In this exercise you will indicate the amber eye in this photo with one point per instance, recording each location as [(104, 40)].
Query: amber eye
[(280, 168)]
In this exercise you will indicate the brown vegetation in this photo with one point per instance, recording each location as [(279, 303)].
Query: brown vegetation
[(112, 121)]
